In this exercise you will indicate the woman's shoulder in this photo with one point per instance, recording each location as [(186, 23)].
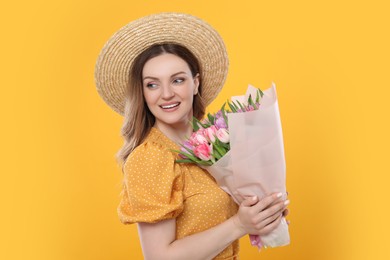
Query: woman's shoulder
[(156, 147), (153, 184)]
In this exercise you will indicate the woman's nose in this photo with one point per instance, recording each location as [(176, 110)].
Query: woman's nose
[(167, 91)]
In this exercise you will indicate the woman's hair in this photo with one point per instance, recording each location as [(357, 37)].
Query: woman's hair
[(138, 120)]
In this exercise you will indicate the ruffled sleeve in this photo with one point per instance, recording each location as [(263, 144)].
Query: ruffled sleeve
[(152, 186)]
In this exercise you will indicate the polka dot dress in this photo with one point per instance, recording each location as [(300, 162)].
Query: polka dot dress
[(156, 188)]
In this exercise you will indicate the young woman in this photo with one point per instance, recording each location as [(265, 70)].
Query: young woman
[(180, 210)]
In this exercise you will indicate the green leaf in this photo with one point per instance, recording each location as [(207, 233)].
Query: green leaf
[(223, 107), (184, 161), (195, 125), (221, 145), (258, 96), (216, 155), (205, 163), (261, 92), (225, 118), (250, 101), (211, 119), (241, 105), (213, 160), (219, 150), (188, 154), (198, 124), (232, 108), (173, 150)]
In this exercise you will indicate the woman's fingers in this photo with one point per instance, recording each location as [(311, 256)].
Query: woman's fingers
[(250, 201), (277, 208), (271, 222), (267, 229), (261, 216), (264, 222), (267, 201), (244, 218), (285, 212), (268, 216)]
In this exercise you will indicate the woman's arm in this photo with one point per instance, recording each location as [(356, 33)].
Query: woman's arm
[(254, 217)]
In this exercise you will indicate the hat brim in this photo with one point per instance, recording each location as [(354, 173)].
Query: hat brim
[(118, 54)]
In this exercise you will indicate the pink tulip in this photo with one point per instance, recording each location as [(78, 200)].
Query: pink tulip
[(192, 139), (210, 133), (223, 135), (204, 151), (198, 138)]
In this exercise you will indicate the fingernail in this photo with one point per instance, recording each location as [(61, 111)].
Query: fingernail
[(287, 202), (279, 195), (254, 198)]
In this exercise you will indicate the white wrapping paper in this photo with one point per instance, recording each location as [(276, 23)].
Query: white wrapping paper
[(255, 164)]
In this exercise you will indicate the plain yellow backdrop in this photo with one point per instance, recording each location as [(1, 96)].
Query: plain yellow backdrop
[(329, 59)]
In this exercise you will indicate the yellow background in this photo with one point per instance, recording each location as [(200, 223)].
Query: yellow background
[(329, 59)]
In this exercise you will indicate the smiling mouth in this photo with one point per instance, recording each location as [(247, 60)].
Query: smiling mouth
[(170, 106)]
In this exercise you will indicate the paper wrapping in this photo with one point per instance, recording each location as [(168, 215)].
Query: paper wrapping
[(255, 164)]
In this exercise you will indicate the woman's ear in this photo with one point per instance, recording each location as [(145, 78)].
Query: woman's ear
[(196, 83)]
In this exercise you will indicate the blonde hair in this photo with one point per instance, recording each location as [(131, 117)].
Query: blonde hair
[(138, 120)]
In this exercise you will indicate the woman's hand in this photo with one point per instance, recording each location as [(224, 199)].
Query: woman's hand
[(261, 217), (285, 213), (254, 217)]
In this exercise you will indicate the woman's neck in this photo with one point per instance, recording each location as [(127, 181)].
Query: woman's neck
[(177, 133)]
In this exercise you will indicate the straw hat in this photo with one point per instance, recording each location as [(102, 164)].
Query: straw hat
[(115, 60)]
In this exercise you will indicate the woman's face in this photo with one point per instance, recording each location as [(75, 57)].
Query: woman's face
[(169, 90)]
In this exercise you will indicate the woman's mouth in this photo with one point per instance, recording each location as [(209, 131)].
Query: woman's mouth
[(170, 106)]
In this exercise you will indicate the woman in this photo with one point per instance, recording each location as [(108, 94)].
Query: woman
[(158, 72)]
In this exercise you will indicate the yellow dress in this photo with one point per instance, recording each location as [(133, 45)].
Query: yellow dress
[(156, 188)]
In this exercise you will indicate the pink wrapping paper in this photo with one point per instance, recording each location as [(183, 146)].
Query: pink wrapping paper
[(255, 164)]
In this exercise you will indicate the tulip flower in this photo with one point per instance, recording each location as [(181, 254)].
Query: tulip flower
[(204, 151), (223, 135)]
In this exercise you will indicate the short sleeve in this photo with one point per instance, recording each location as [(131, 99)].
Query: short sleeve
[(152, 186)]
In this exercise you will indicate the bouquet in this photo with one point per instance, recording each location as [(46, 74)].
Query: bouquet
[(242, 148)]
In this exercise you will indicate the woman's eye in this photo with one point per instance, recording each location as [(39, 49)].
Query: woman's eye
[(151, 85), (178, 80)]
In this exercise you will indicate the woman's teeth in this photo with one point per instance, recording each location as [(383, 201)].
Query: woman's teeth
[(170, 106)]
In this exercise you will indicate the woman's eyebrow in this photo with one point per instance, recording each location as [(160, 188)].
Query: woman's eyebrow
[(150, 77), (173, 75), (177, 73)]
